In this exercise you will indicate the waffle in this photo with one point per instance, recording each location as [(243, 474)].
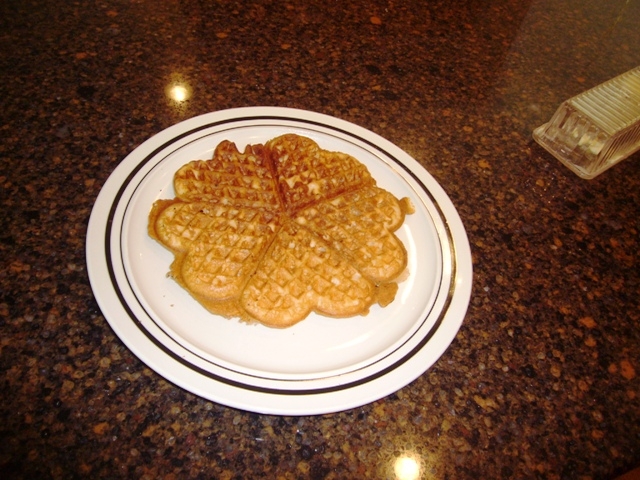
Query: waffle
[(307, 175), (241, 179), (217, 246), (278, 231), (360, 225), (299, 274)]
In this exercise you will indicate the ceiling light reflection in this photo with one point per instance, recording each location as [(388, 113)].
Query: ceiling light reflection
[(178, 90), (179, 93), (407, 468)]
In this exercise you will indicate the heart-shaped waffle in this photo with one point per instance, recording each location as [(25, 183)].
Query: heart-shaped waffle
[(307, 175), (360, 225), (230, 177), (278, 231)]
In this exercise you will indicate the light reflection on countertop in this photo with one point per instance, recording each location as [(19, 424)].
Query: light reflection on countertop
[(407, 467), (178, 92), (406, 458)]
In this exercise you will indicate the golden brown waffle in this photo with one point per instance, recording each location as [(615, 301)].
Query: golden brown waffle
[(276, 232), (360, 225), (230, 177), (299, 274), (307, 174)]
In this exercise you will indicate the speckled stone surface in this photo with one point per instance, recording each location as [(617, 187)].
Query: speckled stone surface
[(543, 379)]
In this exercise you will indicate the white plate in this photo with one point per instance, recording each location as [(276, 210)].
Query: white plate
[(320, 365)]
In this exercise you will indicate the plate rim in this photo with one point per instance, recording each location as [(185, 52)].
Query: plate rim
[(328, 400), (424, 320)]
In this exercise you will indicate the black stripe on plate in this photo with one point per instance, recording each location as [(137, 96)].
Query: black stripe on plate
[(241, 385)]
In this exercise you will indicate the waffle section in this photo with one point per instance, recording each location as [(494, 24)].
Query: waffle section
[(217, 246), (231, 177), (247, 247), (299, 274), (307, 174), (360, 226)]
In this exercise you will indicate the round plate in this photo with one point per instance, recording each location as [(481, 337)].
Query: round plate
[(319, 365)]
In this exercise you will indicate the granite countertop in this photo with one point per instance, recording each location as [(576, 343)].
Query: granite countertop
[(543, 377)]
